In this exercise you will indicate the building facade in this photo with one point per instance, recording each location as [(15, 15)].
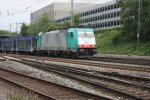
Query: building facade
[(58, 10), (102, 16), (98, 16)]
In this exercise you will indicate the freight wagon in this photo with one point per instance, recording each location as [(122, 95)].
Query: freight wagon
[(9, 45), (25, 44), (1, 41), (72, 42)]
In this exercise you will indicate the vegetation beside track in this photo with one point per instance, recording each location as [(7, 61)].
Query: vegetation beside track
[(112, 41)]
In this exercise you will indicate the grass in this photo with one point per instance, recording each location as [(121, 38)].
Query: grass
[(106, 43), (21, 94)]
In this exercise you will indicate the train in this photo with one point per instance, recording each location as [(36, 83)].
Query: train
[(73, 42)]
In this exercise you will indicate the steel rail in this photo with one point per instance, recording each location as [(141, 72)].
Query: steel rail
[(46, 96), (55, 68), (24, 87), (122, 60), (97, 64)]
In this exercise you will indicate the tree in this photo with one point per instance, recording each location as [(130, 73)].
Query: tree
[(43, 23), (4, 32), (33, 29), (14, 34), (77, 19), (23, 31), (89, 25), (66, 24), (129, 16)]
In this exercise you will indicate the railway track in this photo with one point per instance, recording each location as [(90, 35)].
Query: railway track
[(136, 68), (117, 87), (123, 60), (140, 61), (48, 90)]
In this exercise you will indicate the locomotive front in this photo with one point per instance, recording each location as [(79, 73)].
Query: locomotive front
[(86, 42)]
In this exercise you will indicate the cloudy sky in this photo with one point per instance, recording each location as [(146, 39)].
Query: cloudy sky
[(18, 11)]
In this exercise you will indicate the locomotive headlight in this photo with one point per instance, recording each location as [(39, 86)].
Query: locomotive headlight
[(80, 46)]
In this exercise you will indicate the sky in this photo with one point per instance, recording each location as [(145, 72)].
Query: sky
[(15, 12)]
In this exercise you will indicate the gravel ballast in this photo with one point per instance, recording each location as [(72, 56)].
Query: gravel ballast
[(47, 76)]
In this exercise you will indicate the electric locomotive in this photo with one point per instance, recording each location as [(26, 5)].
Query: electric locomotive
[(73, 42)]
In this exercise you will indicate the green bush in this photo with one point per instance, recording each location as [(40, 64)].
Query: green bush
[(112, 41)]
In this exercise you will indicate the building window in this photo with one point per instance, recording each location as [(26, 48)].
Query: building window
[(118, 22), (85, 20), (87, 13), (115, 23), (109, 15), (112, 6), (112, 23), (101, 17), (101, 9), (118, 13), (97, 25), (101, 25), (109, 7), (115, 6), (105, 16), (98, 17), (83, 14), (92, 18), (105, 24), (105, 8), (88, 19), (96, 10), (115, 14), (112, 15), (108, 24)]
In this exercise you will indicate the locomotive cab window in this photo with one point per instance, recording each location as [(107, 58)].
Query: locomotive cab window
[(71, 34), (85, 34)]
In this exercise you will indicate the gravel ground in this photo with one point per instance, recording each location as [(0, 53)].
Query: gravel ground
[(47, 76), (125, 72), (121, 71), (62, 80), (6, 90)]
